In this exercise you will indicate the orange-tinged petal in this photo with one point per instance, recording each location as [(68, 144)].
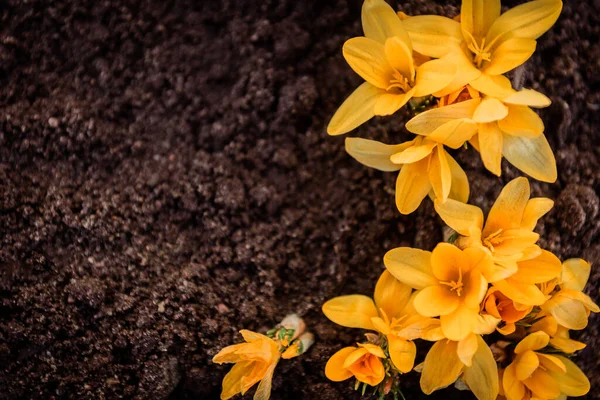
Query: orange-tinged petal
[(414, 153), (440, 175), (459, 188), (513, 388), (497, 86), (334, 369), (402, 353), (541, 269), (391, 295), (527, 362), (476, 17), (552, 363), (437, 375), (482, 374), (507, 211), (436, 300), (433, 35), (445, 261), (354, 356), (574, 382), (380, 21), (458, 324), (528, 97), (412, 186), (454, 133), (459, 216), (575, 273), (509, 55), (367, 58), (373, 349), (228, 354), (399, 56), (465, 72), (434, 76), (410, 266), (543, 385), (467, 348), (567, 345), (535, 209), (357, 109), (232, 382), (263, 392), (427, 122), (352, 311), (507, 329), (532, 156), (523, 293), (489, 110), (533, 341), (375, 154), (522, 121), (476, 286), (490, 147)]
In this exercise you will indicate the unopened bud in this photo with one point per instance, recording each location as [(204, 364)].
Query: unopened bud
[(295, 323)]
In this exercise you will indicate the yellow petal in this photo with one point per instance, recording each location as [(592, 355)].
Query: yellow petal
[(352, 311), (540, 269), (389, 103), (459, 216), (526, 362), (567, 345), (528, 97), (467, 348), (476, 17), (410, 266), (434, 76), (334, 369), (523, 293), (435, 300), (465, 72), (427, 122), (358, 108), (399, 56), (485, 324), (445, 261), (529, 20), (507, 211), (412, 186), (374, 154), (568, 312), (454, 133), (437, 375), (459, 188), (574, 383), (532, 156), (522, 121), (535, 209), (509, 55), (533, 341), (232, 382), (490, 147), (489, 110), (458, 324), (402, 352), (507, 329), (543, 385), (380, 21), (493, 85), (373, 349), (354, 356), (482, 375), (552, 363), (263, 392), (513, 388), (367, 58), (432, 35), (440, 175), (575, 273), (391, 295), (414, 153)]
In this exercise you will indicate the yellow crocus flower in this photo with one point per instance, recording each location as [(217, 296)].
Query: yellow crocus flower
[(384, 59), (533, 374), (362, 362), (425, 168), (519, 264), (501, 307), (391, 314), (484, 44)]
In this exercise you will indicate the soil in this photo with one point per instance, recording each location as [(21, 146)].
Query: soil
[(166, 180)]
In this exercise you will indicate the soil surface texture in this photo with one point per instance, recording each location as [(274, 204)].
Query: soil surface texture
[(166, 180)]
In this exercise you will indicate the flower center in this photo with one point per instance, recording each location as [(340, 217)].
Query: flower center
[(495, 239), (398, 81), (480, 52), (455, 286)]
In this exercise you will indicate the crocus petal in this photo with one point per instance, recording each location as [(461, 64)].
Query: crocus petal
[(540, 269), (440, 175), (522, 121), (568, 312), (427, 122), (263, 392), (509, 55), (391, 295), (410, 266), (533, 341), (402, 352), (527, 362), (529, 20), (445, 260), (535, 209), (476, 16), (497, 86), (532, 156), (454, 133), (412, 186), (436, 300), (232, 382), (543, 385), (414, 153), (465, 72), (367, 58), (334, 369), (459, 188), (490, 147), (575, 273), (507, 211), (467, 348), (513, 388), (567, 345), (574, 383), (399, 56), (459, 216), (437, 375), (552, 363), (380, 21), (389, 103), (358, 108), (522, 293), (352, 311), (490, 110), (485, 324), (433, 35), (458, 324), (482, 374), (528, 97), (434, 76), (373, 349), (375, 154)]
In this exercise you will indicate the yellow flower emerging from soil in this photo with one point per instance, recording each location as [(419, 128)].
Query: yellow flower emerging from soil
[(533, 374), (485, 43), (363, 362), (384, 59), (425, 168), (391, 314)]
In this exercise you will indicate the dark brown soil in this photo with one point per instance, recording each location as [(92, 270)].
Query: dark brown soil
[(166, 180)]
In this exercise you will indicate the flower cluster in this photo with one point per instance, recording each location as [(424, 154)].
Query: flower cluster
[(498, 307), (453, 72)]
